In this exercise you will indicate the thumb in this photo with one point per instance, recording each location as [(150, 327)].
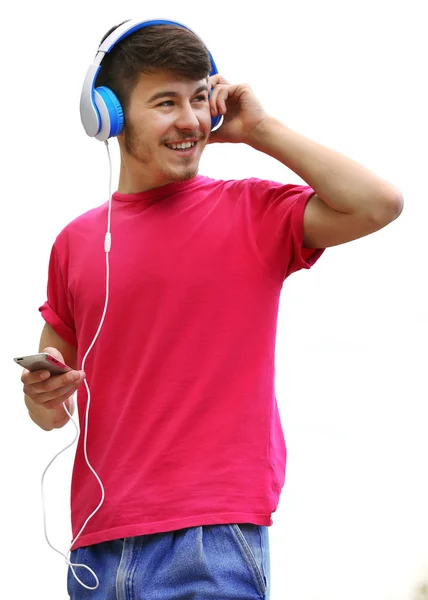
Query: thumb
[(54, 352)]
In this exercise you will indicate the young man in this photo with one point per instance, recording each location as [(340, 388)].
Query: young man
[(184, 429)]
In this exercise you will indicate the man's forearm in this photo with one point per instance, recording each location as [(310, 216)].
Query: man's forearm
[(340, 182)]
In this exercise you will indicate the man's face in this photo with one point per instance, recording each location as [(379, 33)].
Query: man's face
[(165, 111)]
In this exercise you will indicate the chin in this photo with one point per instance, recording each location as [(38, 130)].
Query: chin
[(182, 174)]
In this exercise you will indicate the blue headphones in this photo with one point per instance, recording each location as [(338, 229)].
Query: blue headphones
[(100, 109)]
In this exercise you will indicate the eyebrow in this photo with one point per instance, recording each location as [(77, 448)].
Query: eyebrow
[(173, 94)]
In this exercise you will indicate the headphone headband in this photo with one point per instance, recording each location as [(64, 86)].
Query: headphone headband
[(129, 27), (100, 110)]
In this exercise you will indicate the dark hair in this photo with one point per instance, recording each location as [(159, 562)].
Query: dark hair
[(150, 49)]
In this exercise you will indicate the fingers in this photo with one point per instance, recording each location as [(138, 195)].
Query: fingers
[(218, 99), (222, 91), (219, 92), (61, 418), (50, 391), (216, 79), (59, 400)]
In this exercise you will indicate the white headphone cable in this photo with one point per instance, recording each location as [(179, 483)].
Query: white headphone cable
[(107, 246)]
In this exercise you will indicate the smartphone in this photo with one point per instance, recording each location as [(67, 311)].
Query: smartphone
[(42, 361)]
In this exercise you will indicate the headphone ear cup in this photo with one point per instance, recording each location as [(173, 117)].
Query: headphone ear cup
[(110, 111), (216, 121)]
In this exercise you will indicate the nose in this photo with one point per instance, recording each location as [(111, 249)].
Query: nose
[(186, 118)]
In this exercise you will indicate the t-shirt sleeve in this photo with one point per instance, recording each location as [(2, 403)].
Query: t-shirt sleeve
[(57, 310), (277, 220)]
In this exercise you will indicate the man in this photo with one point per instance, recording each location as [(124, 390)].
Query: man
[(183, 427)]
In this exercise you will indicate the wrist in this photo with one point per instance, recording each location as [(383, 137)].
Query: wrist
[(264, 134)]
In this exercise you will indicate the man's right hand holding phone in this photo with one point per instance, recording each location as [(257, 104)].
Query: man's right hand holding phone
[(45, 394)]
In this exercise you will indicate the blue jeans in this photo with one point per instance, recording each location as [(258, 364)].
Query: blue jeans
[(213, 562)]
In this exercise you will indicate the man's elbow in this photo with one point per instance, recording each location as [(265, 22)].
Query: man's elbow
[(387, 207)]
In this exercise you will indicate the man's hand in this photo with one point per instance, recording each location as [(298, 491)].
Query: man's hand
[(241, 110), (45, 394)]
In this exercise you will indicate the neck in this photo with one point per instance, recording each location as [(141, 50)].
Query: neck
[(132, 181), (138, 176), (133, 178)]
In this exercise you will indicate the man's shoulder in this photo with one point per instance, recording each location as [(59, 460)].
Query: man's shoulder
[(231, 185), (89, 221), (248, 183)]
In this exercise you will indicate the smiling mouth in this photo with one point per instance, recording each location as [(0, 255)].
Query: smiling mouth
[(181, 146)]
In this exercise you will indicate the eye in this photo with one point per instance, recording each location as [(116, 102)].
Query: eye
[(166, 103), (200, 98)]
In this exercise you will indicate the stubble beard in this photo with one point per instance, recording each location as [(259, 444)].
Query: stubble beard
[(140, 152)]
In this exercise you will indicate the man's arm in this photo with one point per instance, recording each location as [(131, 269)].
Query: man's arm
[(44, 394), (350, 201)]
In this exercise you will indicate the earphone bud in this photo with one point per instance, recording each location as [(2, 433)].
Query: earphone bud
[(100, 110)]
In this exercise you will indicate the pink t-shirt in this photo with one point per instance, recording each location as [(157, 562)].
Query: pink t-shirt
[(184, 427)]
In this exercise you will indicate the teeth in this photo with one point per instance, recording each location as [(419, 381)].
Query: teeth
[(182, 146)]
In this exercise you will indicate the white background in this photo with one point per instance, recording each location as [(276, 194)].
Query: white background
[(351, 353)]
